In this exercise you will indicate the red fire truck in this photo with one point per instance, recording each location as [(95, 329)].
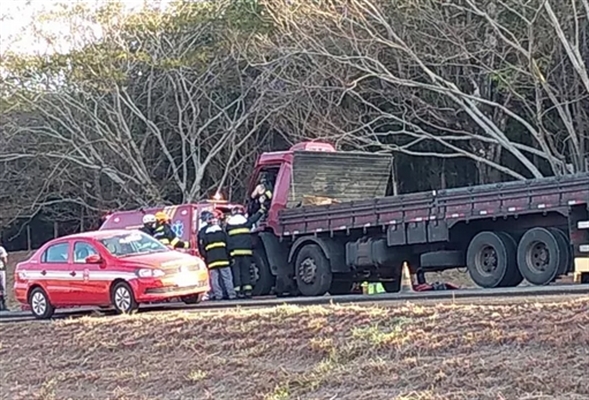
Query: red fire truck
[(332, 223)]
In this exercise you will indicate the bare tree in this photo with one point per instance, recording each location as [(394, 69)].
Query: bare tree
[(412, 77)]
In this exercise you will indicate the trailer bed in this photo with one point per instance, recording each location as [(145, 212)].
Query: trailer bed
[(445, 207)]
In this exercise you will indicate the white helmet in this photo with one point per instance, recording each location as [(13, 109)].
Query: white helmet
[(149, 219)]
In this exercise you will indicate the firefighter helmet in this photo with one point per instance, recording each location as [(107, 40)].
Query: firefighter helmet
[(161, 216)]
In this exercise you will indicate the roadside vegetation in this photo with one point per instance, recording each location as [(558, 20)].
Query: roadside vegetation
[(121, 108), (443, 352)]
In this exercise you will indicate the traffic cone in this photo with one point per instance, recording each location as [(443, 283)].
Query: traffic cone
[(406, 280)]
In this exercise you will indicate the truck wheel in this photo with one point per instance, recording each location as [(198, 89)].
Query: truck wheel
[(341, 286), (262, 278), (565, 249), (313, 272), (123, 299), (539, 256), (41, 307), (491, 260)]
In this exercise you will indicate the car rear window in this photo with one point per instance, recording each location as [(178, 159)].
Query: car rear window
[(131, 244), (56, 253)]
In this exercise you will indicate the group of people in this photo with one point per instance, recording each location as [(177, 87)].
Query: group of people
[(225, 245), (227, 250)]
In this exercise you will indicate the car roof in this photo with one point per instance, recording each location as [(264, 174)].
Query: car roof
[(97, 234)]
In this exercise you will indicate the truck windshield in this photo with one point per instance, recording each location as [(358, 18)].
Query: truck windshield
[(132, 244)]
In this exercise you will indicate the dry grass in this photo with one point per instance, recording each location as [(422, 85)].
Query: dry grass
[(526, 351)]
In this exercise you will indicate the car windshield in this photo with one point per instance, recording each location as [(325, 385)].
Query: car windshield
[(132, 244)]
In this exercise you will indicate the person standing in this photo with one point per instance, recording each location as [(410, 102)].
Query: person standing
[(241, 248), (217, 259), (3, 267)]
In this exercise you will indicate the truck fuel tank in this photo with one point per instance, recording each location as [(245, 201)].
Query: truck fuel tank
[(370, 253)]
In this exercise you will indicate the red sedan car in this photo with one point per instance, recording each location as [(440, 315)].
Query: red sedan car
[(114, 267)]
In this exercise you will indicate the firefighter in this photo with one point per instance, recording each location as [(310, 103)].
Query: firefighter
[(164, 233), (262, 195), (241, 248), (205, 218), (149, 223), (217, 258)]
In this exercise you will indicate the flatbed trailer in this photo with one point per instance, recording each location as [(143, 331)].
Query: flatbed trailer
[(501, 233)]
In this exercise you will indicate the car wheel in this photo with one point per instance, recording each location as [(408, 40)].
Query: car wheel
[(123, 298), (40, 304)]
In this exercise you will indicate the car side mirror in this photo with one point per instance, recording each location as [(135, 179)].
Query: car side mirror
[(93, 259)]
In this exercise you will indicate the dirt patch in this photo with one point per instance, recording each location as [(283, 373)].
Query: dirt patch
[(339, 352)]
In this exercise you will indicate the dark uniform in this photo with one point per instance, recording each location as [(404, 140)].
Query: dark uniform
[(149, 230), (164, 233), (241, 250), (214, 243)]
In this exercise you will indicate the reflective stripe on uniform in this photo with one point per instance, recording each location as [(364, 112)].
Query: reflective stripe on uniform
[(219, 264), (174, 241), (165, 241), (247, 287), (242, 253), (214, 245), (238, 231), (268, 194)]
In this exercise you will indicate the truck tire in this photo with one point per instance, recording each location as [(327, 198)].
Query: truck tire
[(565, 248), (262, 278), (539, 256), (40, 305), (443, 259), (491, 260), (312, 271)]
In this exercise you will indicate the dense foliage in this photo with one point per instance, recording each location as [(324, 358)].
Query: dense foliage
[(170, 105)]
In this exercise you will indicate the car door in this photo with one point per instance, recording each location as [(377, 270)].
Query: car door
[(55, 275), (89, 283)]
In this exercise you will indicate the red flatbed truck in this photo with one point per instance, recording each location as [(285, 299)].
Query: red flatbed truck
[(502, 233)]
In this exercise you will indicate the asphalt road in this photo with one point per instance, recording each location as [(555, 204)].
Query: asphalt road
[(464, 296)]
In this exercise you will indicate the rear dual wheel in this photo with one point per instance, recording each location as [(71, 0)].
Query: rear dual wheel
[(491, 260), (543, 255)]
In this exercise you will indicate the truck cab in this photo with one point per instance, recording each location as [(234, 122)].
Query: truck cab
[(332, 223), (309, 174)]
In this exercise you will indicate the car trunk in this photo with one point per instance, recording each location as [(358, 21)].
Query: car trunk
[(328, 178)]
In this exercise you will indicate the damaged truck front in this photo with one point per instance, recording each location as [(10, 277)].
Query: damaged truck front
[(331, 223)]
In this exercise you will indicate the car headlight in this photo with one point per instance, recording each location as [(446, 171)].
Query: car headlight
[(150, 273)]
